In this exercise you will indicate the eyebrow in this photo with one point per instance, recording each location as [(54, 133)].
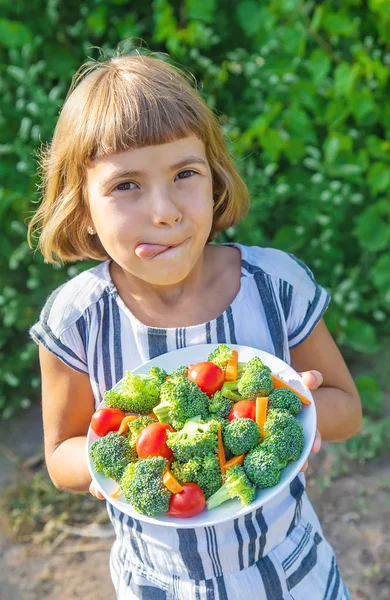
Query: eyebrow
[(183, 162)]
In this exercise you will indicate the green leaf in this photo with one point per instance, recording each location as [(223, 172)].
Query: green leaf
[(298, 123), (338, 24), (373, 234), (362, 104), (272, 143), (250, 16), (319, 65), (345, 77), (201, 10), (97, 20), (14, 34), (379, 177), (370, 394), (361, 336), (381, 274), (286, 238)]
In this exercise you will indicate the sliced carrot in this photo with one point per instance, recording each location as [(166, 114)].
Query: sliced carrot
[(124, 424), (280, 383), (236, 460), (116, 493), (171, 482), (221, 450), (261, 412), (152, 416), (231, 371)]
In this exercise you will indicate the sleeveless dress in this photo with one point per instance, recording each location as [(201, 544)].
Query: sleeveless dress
[(276, 552)]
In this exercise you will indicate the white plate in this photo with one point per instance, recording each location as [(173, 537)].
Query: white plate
[(232, 508)]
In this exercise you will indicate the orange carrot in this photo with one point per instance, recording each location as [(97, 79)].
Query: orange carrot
[(221, 450), (171, 482), (116, 493), (124, 424), (152, 416), (231, 371), (261, 412), (280, 383), (236, 460)]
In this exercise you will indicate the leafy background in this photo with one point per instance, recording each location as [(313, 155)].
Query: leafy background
[(301, 90)]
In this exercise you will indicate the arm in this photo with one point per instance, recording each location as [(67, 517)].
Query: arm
[(67, 406), (337, 400)]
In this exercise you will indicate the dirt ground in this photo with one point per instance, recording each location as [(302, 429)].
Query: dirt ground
[(354, 511)]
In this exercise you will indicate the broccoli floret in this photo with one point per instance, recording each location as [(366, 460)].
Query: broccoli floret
[(203, 470), (285, 399), (142, 485), (111, 454), (138, 392), (181, 400), (229, 390), (237, 485), (283, 435), (136, 426), (194, 439), (220, 356), (241, 435), (179, 372), (256, 379), (219, 405), (263, 468)]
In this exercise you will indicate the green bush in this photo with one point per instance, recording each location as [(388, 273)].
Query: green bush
[(301, 90)]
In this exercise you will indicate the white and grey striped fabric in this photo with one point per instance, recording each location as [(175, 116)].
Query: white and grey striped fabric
[(276, 552)]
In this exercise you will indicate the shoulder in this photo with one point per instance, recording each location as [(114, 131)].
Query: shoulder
[(68, 303), (278, 265)]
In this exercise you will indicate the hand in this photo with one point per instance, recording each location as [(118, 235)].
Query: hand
[(312, 380), (93, 489)]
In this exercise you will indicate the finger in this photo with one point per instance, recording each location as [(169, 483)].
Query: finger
[(317, 443), (305, 466), (93, 489), (312, 379)]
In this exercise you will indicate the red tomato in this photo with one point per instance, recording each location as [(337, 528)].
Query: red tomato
[(152, 441), (244, 409), (208, 376), (187, 503), (105, 420)]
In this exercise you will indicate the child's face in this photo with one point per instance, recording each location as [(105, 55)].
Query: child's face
[(156, 195)]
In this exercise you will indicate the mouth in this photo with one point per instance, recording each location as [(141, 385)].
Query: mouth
[(145, 250)]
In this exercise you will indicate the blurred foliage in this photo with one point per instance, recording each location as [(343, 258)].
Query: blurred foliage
[(301, 91)]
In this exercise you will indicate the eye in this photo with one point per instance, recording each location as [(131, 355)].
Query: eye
[(125, 185), (186, 174)]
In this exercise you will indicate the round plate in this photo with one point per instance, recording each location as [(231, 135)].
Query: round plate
[(232, 508)]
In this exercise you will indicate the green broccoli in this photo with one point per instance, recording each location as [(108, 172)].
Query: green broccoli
[(142, 485), (263, 468), (229, 390), (285, 399), (283, 435), (137, 392), (181, 400), (179, 372), (111, 454), (203, 470), (220, 356), (241, 435), (136, 426), (256, 379), (194, 439), (219, 406), (237, 485)]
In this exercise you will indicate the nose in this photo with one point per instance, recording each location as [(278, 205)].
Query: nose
[(164, 210)]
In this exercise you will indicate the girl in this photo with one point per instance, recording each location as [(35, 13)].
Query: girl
[(138, 177)]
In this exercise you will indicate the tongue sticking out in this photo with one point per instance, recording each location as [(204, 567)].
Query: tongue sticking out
[(149, 250)]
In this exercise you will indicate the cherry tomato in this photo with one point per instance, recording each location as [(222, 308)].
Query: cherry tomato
[(187, 503), (245, 409), (208, 376), (105, 420), (152, 441)]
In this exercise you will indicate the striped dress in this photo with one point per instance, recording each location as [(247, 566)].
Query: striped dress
[(277, 552)]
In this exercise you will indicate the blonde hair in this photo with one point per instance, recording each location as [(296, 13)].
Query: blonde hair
[(121, 103)]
